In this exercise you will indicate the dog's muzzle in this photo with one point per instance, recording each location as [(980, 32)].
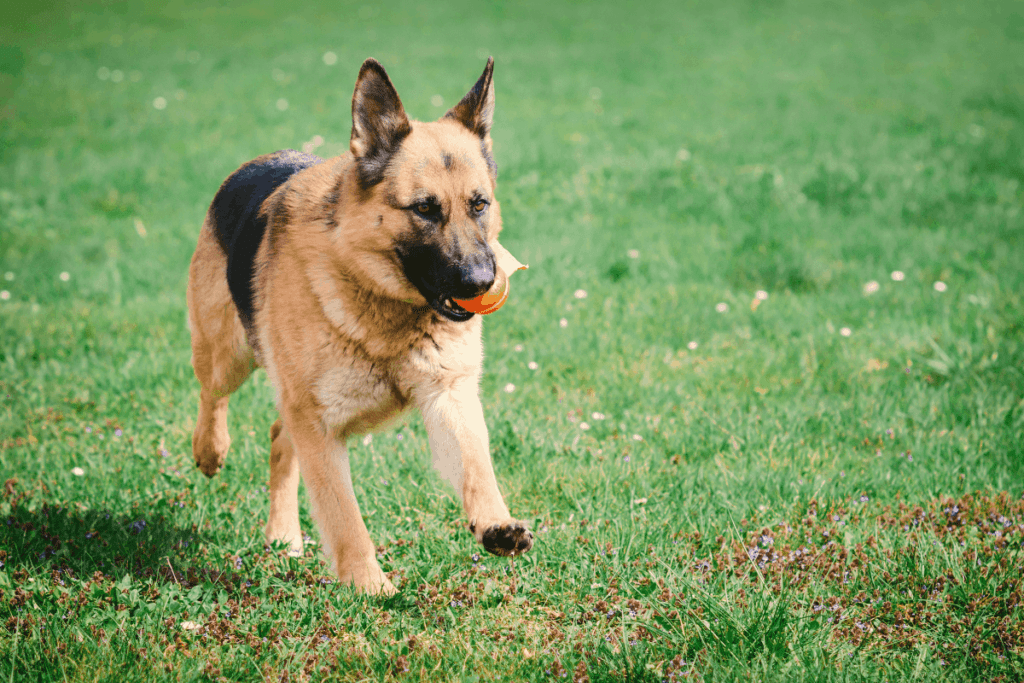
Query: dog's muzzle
[(451, 310)]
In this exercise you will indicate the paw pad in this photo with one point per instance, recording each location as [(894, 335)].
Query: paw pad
[(507, 539)]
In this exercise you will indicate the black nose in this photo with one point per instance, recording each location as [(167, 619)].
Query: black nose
[(475, 278)]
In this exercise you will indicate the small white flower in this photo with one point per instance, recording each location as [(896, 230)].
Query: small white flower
[(692, 346), (584, 426), (368, 439), (761, 295), (4, 295), (437, 100), (282, 104), (683, 154), (597, 416), (871, 287), (532, 365), (116, 76), (633, 253), (9, 276), (637, 437), (580, 294), (897, 276), (845, 331), (517, 348), (159, 103), (722, 307), (190, 626), (65, 276), (330, 59), (939, 286), (509, 388), (563, 323), (77, 471)]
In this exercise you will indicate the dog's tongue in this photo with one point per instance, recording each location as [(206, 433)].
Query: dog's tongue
[(497, 295)]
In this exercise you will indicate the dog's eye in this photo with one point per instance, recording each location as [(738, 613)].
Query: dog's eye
[(479, 205), (426, 209)]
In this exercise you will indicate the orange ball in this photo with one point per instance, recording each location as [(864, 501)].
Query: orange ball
[(491, 300)]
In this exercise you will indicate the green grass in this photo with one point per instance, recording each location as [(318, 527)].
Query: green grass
[(828, 486)]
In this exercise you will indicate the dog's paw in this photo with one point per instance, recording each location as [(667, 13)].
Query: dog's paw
[(284, 533), (369, 579), (509, 538), (209, 462), (210, 450)]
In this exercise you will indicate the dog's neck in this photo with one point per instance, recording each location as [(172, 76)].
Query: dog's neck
[(357, 281)]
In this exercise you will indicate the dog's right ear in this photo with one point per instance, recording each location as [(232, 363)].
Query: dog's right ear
[(379, 123), (476, 110)]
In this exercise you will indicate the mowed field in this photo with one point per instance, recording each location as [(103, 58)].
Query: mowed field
[(760, 394)]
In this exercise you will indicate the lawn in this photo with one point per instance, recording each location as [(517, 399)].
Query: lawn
[(760, 394)]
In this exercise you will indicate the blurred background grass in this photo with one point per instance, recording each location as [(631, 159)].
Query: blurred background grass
[(800, 148), (663, 160)]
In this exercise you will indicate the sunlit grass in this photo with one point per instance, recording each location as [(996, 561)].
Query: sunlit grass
[(760, 394)]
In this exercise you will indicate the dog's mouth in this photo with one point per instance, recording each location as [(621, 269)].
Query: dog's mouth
[(447, 307), (419, 264)]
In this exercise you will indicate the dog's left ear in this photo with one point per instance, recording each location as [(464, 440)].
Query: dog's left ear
[(476, 110), (379, 122)]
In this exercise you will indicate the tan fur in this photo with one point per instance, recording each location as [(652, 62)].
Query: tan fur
[(349, 343)]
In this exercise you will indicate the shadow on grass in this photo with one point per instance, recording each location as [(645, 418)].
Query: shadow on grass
[(38, 538)]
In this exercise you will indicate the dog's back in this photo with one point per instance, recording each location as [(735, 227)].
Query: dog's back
[(238, 222)]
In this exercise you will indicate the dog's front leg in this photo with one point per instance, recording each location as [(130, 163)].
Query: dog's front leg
[(458, 439), (323, 460)]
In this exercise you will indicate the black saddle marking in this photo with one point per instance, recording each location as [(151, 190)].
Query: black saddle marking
[(239, 224)]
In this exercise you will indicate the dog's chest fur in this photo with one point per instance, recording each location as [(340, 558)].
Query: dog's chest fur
[(361, 393), (359, 362), (358, 398)]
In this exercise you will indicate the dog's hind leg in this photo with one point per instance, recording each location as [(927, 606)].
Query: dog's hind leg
[(283, 524), (221, 357)]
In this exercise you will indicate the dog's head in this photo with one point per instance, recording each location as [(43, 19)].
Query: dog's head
[(431, 186)]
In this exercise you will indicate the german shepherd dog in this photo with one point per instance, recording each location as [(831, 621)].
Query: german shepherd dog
[(338, 277)]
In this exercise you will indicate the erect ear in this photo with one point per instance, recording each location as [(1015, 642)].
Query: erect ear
[(476, 110), (379, 122)]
